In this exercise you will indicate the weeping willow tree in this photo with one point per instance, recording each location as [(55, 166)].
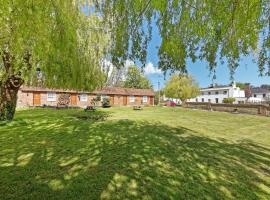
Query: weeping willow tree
[(52, 41), (56, 37), (210, 30)]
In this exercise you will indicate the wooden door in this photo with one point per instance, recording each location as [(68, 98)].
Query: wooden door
[(112, 100), (73, 99), (125, 100), (36, 99)]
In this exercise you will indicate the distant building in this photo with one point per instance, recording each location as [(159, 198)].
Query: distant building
[(164, 99), (217, 93), (259, 94)]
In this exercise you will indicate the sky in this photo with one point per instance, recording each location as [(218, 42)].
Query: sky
[(246, 72)]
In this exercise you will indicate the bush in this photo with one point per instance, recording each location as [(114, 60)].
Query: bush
[(106, 103), (93, 116), (229, 100)]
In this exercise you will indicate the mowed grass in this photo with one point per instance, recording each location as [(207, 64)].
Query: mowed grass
[(156, 153)]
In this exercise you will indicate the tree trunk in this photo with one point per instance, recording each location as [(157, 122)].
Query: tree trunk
[(8, 99), (184, 102)]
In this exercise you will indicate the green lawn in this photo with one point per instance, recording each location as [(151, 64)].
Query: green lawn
[(156, 153)]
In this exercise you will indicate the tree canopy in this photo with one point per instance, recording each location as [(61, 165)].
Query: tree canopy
[(135, 79), (54, 37), (215, 31), (181, 87), (52, 43)]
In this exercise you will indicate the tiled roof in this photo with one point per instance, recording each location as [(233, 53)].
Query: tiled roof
[(105, 91), (217, 87), (259, 90), (125, 91), (40, 89)]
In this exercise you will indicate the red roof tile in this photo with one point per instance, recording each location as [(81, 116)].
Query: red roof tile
[(104, 91), (125, 91)]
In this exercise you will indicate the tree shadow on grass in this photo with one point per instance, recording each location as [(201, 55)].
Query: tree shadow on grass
[(72, 159)]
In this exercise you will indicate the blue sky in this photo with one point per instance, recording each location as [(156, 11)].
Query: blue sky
[(246, 72)]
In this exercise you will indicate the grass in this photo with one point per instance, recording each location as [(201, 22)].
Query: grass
[(156, 153)]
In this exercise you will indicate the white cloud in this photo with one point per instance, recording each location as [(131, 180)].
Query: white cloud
[(150, 69)]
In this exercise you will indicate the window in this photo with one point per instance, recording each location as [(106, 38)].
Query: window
[(264, 95), (131, 99), (216, 92), (145, 99), (102, 97), (216, 100), (83, 97), (51, 96), (196, 99), (209, 93), (209, 100), (225, 92), (202, 99), (255, 95)]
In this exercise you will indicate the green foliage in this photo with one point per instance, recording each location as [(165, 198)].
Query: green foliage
[(158, 96), (229, 100), (181, 87), (242, 86), (106, 103), (54, 37), (92, 116), (8, 112), (205, 30), (96, 100), (135, 79)]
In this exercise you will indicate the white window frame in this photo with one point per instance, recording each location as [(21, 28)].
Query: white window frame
[(145, 99), (83, 97), (131, 99), (102, 97), (51, 96)]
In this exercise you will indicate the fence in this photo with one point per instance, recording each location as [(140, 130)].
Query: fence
[(234, 108)]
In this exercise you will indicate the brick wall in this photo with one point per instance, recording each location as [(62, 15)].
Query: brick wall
[(118, 100), (240, 108), (25, 99)]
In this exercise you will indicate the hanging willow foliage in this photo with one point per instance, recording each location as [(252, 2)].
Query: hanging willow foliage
[(55, 36), (53, 43), (211, 30)]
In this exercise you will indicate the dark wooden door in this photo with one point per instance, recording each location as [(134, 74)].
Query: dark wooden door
[(36, 99)]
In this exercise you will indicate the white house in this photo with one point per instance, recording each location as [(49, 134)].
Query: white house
[(259, 95), (217, 93)]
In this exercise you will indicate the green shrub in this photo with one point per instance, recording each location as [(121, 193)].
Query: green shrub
[(93, 116), (106, 103), (229, 100)]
